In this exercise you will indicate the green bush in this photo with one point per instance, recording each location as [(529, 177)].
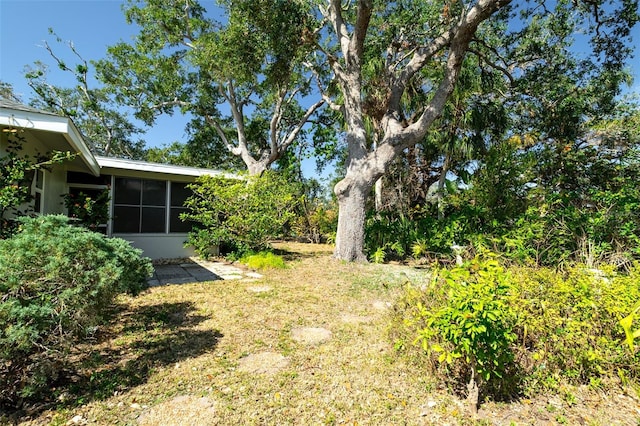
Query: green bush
[(317, 224), (527, 330), (464, 323), (240, 215), (569, 324), (56, 281)]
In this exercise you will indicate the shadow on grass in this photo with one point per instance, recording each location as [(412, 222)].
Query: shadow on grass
[(138, 341), (290, 255)]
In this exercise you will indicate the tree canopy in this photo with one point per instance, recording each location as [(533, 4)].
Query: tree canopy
[(243, 69), (407, 58), (106, 126)]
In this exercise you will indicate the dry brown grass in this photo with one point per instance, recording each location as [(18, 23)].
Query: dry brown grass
[(177, 355)]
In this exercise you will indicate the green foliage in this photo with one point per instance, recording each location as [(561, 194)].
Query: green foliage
[(569, 327), (240, 215), (549, 204), (379, 255), (89, 211), (318, 224), (185, 58), (56, 282), (627, 324), (263, 260), (17, 171), (464, 323), (419, 248), (527, 330), (580, 207)]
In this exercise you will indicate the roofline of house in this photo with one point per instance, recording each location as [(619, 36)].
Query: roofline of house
[(27, 118), (144, 166)]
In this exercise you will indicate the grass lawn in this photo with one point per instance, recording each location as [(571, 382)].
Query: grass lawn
[(304, 345)]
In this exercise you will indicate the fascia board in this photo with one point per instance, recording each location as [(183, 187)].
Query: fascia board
[(111, 163)]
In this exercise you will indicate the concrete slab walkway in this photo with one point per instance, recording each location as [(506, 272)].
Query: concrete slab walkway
[(194, 270)]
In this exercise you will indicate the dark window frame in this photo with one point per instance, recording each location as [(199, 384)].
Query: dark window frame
[(150, 208)]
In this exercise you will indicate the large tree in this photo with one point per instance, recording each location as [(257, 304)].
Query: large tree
[(241, 62), (107, 128), (418, 45)]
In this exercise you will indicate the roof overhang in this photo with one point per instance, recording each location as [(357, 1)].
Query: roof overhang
[(53, 131), (125, 167)]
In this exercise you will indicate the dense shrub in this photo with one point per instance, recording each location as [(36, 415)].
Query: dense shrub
[(90, 211), (240, 215), (569, 324), (56, 281), (317, 224), (546, 204), (464, 322), (527, 330)]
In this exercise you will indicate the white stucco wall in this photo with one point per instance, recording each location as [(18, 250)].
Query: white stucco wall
[(54, 185), (159, 246)]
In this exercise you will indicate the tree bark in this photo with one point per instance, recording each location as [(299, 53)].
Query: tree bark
[(352, 197), (378, 194)]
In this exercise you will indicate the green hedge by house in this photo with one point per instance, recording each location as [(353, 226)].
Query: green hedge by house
[(56, 281)]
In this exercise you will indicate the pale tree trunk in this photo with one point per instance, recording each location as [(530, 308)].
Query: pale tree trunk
[(352, 193), (352, 197), (378, 194), (365, 167)]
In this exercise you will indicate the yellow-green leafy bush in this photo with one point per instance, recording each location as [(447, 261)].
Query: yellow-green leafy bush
[(526, 329), (463, 321), (569, 324), (263, 260)]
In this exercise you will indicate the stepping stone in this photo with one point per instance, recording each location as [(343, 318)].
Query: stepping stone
[(381, 305), (310, 335), (260, 289), (253, 275), (263, 363), (164, 272), (181, 410)]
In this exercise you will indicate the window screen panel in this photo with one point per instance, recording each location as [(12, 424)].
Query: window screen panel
[(175, 224), (126, 219), (153, 219), (179, 194), (127, 191), (154, 193)]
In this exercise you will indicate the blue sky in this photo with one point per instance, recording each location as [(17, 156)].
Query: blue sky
[(92, 25)]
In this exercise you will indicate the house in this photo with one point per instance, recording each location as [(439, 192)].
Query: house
[(145, 200)]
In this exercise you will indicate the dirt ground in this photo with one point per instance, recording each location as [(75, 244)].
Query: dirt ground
[(306, 345)]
